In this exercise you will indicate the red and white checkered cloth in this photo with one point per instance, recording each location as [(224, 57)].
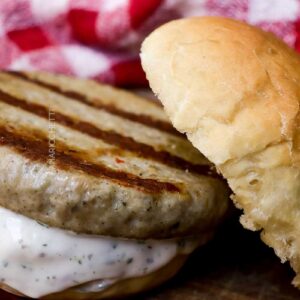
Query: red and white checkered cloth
[(101, 38)]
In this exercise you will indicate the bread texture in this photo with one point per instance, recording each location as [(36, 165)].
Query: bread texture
[(235, 91), (93, 159)]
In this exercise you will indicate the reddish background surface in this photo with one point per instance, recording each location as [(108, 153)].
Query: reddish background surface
[(101, 39)]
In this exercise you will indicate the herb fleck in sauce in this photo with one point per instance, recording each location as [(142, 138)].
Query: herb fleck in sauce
[(38, 260)]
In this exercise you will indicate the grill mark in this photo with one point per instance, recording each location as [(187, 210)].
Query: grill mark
[(38, 150), (111, 137), (110, 108)]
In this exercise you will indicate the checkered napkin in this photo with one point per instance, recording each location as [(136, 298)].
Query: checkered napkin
[(100, 39)]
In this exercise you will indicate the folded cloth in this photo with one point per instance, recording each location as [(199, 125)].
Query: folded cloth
[(100, 39)]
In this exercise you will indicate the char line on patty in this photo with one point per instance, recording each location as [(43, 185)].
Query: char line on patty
[(109, 136), (35, 146), (98, 104)]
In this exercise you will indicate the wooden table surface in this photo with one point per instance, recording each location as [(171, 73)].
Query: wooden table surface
[(236, 265)]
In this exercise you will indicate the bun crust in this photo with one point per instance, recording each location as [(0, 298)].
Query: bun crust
[(235, 91)]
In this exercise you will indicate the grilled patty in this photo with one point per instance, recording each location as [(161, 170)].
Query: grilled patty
[(90, 158)]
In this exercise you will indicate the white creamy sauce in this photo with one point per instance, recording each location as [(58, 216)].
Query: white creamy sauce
[(37, 260)]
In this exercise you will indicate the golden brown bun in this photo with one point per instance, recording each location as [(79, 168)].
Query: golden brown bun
[(235, 91), (119, 289)]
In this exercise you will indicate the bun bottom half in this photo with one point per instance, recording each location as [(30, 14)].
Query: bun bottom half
[(119, 289)]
